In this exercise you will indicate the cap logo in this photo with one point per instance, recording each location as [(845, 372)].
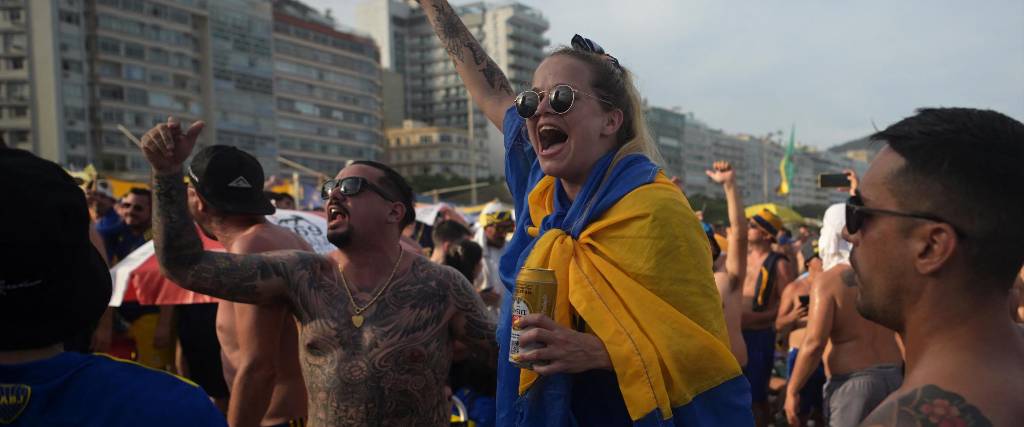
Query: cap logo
[(13, 400), (240, 182)]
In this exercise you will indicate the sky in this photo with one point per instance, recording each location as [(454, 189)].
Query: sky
[(834, 70)]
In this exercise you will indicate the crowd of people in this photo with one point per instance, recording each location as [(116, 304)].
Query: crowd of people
[(903, 309)]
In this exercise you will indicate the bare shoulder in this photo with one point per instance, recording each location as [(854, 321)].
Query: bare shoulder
[(834, 280), (268, 237), (929, 405)]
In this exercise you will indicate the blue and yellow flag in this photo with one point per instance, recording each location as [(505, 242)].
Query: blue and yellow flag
[(786, 165), (633, 268)]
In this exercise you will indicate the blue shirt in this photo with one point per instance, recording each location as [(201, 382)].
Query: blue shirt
[(73, 389), (108, 221), (121, 241)]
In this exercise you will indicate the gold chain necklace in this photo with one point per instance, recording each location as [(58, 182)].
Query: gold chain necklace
[(357, 318)]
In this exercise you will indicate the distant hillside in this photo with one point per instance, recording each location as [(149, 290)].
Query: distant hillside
[(857, 144)]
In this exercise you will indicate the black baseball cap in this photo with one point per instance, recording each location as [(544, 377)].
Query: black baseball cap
[(54, 285), (230, 179)]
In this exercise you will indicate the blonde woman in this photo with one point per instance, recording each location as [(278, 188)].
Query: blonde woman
[(638, 336)]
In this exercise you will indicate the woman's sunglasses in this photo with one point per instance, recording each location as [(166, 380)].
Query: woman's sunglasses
[(561, 98), (857, 214), (350, 187)]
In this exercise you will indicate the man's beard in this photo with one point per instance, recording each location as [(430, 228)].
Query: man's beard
[(340, 239)]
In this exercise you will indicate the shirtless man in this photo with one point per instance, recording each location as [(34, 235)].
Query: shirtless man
[(376, 330), (259, 342), (862, 360), (729, 277), (792, 323), (937, 236), (767, 273)]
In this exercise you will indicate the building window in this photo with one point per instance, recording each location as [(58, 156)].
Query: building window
[(134, 72), (108, 69), (17, 112), (71, 66), (14, 63), (134, 51), (111, 92), (159, 56), (159, 77), (108, 45), (70, 18), (136, 96)]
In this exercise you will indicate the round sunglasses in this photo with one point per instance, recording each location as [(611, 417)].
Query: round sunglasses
[(561, 98), (351, 186)]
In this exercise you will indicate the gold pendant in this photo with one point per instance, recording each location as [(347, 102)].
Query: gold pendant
[(357, 320)]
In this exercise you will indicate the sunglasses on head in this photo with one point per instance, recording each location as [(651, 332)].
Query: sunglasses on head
[(351, 186), (497, 217), (561, 99), (857, 214)]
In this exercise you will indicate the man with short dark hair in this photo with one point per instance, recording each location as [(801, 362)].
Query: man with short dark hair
[(150, 327), (862, 360), (259, 342), (54, 285), (936, 231), (377, 329), (445, 234)]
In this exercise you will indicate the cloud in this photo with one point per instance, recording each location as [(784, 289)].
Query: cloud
[(830, 67)]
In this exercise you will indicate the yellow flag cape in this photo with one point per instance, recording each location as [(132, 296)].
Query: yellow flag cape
[(640, 277)]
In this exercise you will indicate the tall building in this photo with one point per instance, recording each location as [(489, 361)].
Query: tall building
[(756, 160), (511, 33), (328, 91), (145, 64), (667, 127), (416, 149), (242, 67), (71, 71)]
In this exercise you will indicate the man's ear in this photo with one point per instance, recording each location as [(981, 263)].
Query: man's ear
[(934, 245)]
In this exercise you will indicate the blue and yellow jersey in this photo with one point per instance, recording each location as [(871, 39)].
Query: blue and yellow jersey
[(73, 389)]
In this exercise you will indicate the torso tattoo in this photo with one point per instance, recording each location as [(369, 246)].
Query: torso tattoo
[(390, 371), (925, 407)]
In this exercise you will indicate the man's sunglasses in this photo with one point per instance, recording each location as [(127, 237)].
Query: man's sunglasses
[(857, 213), (351, 186), (561, 98)]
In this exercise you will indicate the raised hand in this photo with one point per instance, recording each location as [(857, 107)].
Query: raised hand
[(721, 173), (166, 147), (854, 182)]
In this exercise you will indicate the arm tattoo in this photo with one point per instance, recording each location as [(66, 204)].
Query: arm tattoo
[(248, 279), (452, 32), (474, 325), (926, 407), (454, 36), (495, 77)]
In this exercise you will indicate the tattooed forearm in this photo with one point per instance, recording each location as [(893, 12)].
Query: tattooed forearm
[(243, 278), (473, 324), (456, 39), (495, 77), (451, 31), (177, 245), (925, 407)]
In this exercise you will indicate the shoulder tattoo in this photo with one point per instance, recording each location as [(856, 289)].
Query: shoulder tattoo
[(928, 406)]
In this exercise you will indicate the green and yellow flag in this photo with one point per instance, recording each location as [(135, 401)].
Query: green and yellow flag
[(786, 165)]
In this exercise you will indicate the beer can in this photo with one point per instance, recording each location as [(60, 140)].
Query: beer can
[(536, 289)]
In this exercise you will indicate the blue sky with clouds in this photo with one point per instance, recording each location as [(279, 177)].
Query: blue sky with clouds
[(830, 67)]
